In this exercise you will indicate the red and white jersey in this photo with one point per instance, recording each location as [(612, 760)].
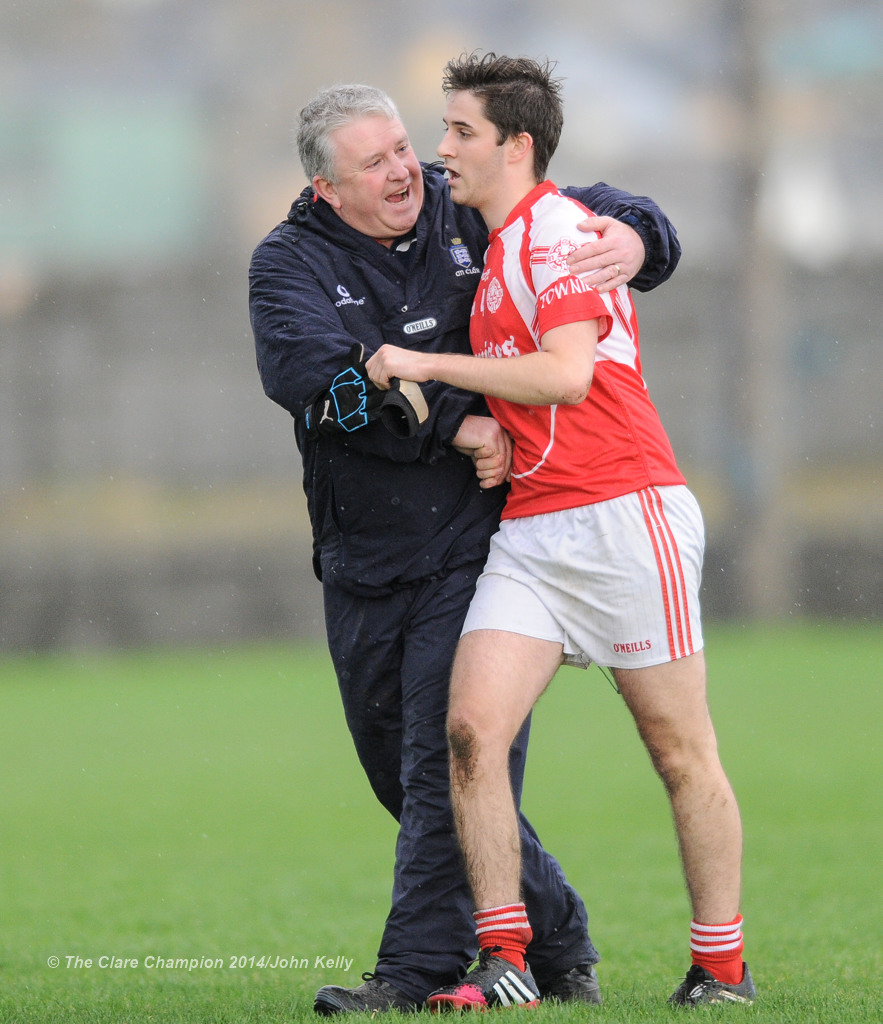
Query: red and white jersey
[(611, 444)]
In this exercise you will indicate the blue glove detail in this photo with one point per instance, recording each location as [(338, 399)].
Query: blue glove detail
[(349, 394)]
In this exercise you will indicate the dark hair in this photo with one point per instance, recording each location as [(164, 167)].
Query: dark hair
[(519, 95)]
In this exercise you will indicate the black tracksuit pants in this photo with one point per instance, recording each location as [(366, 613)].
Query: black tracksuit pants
[(393, 657)]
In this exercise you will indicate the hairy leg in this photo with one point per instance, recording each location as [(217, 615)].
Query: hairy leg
[(668, 703), (496, 679)]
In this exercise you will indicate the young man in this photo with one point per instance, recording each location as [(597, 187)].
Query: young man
[(599, 554), (375, 250)]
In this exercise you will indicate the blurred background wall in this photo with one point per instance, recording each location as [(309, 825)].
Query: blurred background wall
[(150, 493)]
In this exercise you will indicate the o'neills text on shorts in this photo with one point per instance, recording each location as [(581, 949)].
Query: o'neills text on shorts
[(633, 648)]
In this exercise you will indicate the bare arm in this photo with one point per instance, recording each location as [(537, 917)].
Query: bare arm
[(560, 373)]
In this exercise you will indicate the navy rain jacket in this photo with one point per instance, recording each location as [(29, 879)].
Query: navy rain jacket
[(387, 512)]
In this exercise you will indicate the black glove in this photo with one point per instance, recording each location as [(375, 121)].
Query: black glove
[(354, 400), (351, 402)]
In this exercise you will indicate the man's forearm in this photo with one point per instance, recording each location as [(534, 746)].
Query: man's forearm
[(559, 374)]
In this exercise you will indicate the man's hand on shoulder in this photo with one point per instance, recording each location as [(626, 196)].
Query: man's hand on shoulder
[(611, 259)]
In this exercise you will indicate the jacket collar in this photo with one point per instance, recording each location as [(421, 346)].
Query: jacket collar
[(311, 214)]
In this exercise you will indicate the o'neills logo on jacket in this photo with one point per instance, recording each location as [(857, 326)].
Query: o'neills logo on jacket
[(417, 326)]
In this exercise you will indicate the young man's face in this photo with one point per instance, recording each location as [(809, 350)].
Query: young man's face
[(470, 149), (379, 187)]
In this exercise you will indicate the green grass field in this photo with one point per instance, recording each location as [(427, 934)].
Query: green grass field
[(207, 806)]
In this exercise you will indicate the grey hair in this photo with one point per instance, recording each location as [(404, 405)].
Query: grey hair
[(329, 110)]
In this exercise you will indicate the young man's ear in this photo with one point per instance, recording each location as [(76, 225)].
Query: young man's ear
[(520, 146), (324, 188)]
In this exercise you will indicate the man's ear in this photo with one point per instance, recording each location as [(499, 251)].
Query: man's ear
[(327, 190), (520, 146)]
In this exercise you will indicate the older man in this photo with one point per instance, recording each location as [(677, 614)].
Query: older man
[(373, 252)]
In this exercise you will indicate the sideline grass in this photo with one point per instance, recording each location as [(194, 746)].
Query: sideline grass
[(208, 805)]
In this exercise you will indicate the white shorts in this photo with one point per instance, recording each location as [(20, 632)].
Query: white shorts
[(616, 583)]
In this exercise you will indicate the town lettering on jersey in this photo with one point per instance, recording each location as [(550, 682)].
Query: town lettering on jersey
[(563, 287)]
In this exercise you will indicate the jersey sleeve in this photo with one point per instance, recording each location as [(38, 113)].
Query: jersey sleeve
[(661, 246), (562, 297)]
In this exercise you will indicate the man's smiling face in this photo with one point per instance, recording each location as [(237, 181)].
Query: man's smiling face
[(379, 187)]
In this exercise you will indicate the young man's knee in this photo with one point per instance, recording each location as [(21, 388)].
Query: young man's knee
[(463, 746), (681, 765), (675, 771), (474, 741)]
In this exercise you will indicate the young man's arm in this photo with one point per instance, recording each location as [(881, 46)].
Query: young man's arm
[(558, 374)]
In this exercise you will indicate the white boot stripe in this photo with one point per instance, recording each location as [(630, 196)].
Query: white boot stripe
[(516, 987), (501, 995)]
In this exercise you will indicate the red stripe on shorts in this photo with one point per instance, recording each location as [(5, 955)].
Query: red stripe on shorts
[(686, 632), (671, 574)]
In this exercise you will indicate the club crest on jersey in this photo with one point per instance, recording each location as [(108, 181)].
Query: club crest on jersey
[(558, 253), (494, 296), (460, 253)]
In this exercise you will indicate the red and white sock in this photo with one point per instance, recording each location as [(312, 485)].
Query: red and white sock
[(506, 927), (718, 948)]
